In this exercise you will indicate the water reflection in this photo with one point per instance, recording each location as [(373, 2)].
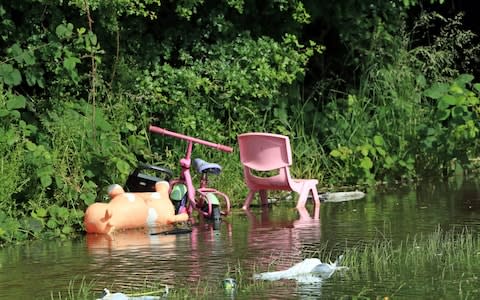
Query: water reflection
[(281, 241), (255, 241), (101, 244)]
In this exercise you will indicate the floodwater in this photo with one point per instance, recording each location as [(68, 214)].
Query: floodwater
[(269, 239)]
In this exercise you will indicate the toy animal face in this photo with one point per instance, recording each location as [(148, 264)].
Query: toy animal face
[(97, 218)]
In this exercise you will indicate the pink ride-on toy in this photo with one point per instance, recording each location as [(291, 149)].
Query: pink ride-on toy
[(267, 152), (203, 199)]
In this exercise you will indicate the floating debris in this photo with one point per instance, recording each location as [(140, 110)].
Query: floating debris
[(311, 270), (341, 196), (229, 284), (107, 295)]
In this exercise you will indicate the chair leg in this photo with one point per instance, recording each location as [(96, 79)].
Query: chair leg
[(263, 197), (248, 200), (316, 199), (302, 198)]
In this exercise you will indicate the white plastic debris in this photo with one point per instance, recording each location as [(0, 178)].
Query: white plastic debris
[(107, 295), (311, 270)]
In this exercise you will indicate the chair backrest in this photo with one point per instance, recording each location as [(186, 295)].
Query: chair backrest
[(264, 151)]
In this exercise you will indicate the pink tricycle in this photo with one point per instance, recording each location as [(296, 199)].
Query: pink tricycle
[(203, 199)]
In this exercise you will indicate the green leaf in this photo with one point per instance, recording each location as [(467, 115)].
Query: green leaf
[(16, 102), (93, 38), (41, 212), (389, 160), (464, 79), (70, 62), (130, 126), (366, 163), (67, 229), (63, 213), (381, 151), (30, 146), (4, 113), (436, 91), (16, 52), (443, 114), (15, 114), (378, 140), (477, 86), (456, 89), (421, 80), (64, 31), (45, 180), (364, 149), (335, 153), (123, 167), (52, 224), (10, 75), (28, 58), (88, 198)]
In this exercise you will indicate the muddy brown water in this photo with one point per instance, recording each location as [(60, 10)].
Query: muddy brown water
[(264, 239)]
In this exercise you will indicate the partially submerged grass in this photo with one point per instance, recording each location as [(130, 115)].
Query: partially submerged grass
[(438, 250), (442, 264)]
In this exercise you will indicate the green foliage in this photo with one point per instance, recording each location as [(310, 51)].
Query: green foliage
[(453, 126), (119, 7), (409, 3), (13, 132), (390, 103), (453, 50), (52, 171), (242, 79), (81, 81)]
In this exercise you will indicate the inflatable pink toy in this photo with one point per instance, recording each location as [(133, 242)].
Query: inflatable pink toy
[(132, 210)]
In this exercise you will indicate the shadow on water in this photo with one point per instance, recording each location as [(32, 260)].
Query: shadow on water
[(260, 240)]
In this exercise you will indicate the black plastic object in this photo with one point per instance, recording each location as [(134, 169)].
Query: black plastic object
[(138, 181), (173, 231)]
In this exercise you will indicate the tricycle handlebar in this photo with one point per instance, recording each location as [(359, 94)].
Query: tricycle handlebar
[(163, 131)]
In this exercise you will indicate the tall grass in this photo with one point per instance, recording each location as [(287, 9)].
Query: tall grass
[(441, 256)]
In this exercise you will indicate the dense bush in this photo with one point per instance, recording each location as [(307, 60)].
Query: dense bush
[(80, 81)]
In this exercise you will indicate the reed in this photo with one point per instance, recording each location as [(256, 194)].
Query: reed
[(416, 265)]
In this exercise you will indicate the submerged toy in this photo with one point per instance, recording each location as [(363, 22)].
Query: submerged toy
[(132, 210)]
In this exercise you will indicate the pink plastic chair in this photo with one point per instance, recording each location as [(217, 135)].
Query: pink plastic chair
[(268, 152)]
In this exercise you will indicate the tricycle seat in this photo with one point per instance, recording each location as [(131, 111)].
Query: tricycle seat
[(205, 167)]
